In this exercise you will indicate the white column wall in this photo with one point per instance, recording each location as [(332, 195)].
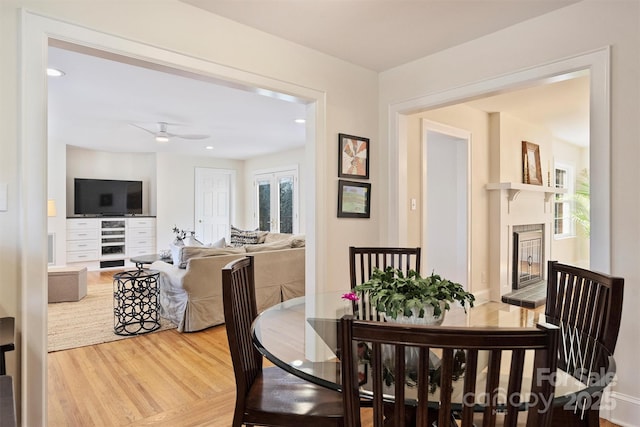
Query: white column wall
[(346, 98), (584, 27)]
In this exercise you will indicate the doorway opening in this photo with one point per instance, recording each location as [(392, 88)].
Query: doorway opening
[(446, 201), (37, 32)]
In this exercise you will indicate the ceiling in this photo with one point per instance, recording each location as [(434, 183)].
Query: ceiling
[(561, 106), (101, 100), (379, 34)]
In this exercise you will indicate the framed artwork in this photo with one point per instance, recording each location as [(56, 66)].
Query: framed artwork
[(353, 156), (354, 199), (531, 172)]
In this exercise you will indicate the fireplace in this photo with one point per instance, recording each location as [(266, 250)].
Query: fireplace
[(528, 255)]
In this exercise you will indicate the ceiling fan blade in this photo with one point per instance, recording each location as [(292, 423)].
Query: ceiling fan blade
[(145, 129), (194, 136)]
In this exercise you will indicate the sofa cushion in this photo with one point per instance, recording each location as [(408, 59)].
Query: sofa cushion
[(188, 252), (273, 246), (296, 240), (246, 237), (277, 237)]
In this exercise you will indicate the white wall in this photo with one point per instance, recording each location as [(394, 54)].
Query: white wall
[(176, 186), (168, 186), (583, 27), (345, 96), (512, 132), (83, 163)]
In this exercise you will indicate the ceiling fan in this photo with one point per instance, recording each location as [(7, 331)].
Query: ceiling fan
[(162, 135)]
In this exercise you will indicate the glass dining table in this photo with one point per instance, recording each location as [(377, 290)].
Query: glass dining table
[(301, 336)]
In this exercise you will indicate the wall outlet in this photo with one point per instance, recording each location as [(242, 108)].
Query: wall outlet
[(483, 277)]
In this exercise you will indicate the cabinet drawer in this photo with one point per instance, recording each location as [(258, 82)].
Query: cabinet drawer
[(82, 224), (132, 252), (82, 256), (82, 245), (137, 242), (82, 234), (134, 233), (141, 222)]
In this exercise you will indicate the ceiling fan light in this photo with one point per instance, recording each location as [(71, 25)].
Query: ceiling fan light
[(162, 138)]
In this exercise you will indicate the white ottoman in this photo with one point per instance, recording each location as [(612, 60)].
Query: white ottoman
[(67, 283)]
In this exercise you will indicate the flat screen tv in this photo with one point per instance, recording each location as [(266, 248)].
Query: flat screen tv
[(107, 197)]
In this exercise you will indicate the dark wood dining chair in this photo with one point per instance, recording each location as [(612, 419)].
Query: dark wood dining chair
[(362, 261), (485, 348), (586, 303), (267, 396)]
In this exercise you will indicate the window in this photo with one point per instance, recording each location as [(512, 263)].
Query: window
[(563, 225), (277, 201)]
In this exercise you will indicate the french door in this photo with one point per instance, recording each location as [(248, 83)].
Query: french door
[(277, 201)]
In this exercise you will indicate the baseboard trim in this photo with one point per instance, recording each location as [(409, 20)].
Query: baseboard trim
[(625, 410), (481, 296)]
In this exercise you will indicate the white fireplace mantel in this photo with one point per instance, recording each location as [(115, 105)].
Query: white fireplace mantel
[(508, 208), (514, 188)]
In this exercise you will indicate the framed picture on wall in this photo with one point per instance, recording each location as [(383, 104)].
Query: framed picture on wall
[(531, 172), (353, 156), (354, 199)]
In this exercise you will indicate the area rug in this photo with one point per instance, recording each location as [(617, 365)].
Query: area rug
[(86, 322)]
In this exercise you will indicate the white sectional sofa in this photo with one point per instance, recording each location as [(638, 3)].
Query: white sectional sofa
[(191, 297)]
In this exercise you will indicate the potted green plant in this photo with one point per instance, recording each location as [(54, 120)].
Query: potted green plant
[(401, 297)]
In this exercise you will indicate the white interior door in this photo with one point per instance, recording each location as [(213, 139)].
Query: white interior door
[(213, 189), (446, 209)]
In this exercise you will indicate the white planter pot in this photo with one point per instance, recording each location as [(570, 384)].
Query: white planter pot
[(428, 318)]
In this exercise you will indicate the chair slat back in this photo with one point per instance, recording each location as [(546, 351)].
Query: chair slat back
[(362, 261), (587, 301), (390, 341), (239, 301)]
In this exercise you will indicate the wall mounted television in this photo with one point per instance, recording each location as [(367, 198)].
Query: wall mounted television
[(107, 197)]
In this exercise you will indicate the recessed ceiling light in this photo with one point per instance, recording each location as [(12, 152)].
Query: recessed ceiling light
[(300, 121), (54, 72), (209, 147)]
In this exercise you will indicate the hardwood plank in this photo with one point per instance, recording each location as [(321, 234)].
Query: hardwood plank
[(160, 379)]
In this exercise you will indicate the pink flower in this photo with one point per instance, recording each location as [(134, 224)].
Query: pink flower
[(351, 296)]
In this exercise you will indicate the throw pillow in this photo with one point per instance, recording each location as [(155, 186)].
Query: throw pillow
[(192, 241), (246, 237), (222, 243)]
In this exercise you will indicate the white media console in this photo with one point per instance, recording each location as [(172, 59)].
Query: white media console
[(109, 242)]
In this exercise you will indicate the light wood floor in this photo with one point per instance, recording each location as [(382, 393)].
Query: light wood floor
[(160, 379)]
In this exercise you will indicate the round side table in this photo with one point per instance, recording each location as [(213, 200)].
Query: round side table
[(136, 302)]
